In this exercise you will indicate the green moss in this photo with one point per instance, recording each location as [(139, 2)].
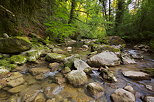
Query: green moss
[(100, 48), (6, 63), (55, 57), (18, 59), (23, 38)]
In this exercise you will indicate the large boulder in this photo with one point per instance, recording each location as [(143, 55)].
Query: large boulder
[(77, 78), (121, 95), (136, 75), (52, 57), (95, 89), (14, 45), (80, 65), (105, 58)]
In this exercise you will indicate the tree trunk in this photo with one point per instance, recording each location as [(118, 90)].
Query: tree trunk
[(119, 15), (72, 12)]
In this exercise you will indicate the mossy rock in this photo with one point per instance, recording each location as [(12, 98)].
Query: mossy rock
[(6, 63), (115, 40), (14, 45), (100, 48), (51, 57), (33, 55), (18, 59)]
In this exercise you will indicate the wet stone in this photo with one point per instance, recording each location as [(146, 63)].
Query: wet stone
[(95, 89), (121, 95), (15, 79), (17, 89), (41, 70), (136, 75), (149, 99), (77, 78)]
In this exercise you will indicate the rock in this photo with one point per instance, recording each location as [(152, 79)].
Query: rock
[(80, 65), (3, 70), (121, 95), (104, 59), (5, 35), (126, 59), (41, 70), (150, 87), (33, 55), (116, 40), (52, 90), (18, 59), (59, 79), (66, 70), (69, 49), (135, 54), (17, 89), (29, 94), (40, 98), (88, 70), (54, 66), (136, 75), (142, 47), (52, 57), (58, 50), (51, 100), (14, 45), (69, 61), (15, 79), (85, 47), (95, 90), (70, 42), (130, 89), (77, 78), (99, 48), (149, 99), (108, 75)]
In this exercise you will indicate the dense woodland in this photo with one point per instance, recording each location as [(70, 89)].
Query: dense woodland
[(57, 19)]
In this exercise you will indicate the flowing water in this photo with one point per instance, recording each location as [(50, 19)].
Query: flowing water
[(66, 91)]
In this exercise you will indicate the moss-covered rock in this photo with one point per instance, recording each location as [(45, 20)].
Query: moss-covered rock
[(115, 40), (99, 48), (18, 59), (33, 55), (6, 63), (14, 45), (51, 57)]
